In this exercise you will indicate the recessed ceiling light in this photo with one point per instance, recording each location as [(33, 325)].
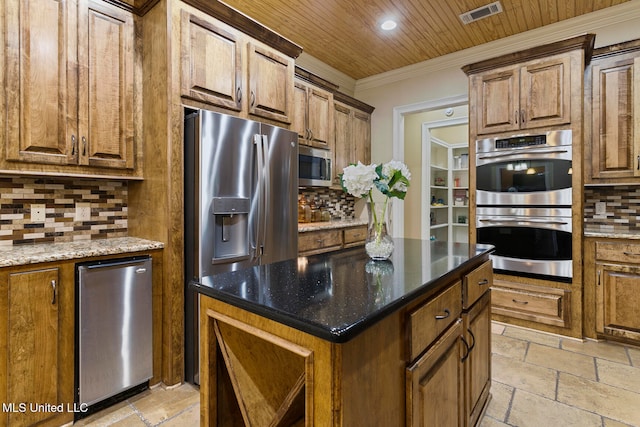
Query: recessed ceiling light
[(388, 25)]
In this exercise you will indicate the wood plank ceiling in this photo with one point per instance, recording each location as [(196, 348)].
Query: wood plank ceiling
[(345, 34)]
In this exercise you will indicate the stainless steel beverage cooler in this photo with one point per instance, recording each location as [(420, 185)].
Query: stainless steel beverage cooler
[(113, 328)]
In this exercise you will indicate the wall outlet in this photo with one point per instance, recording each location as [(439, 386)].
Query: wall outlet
[(83, 212), (38, 214), (601, 208)]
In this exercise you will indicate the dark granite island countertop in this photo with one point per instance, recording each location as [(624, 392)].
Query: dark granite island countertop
[(337, 295), (338, 340)]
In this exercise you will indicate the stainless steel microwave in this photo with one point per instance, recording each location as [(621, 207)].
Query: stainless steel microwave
[(314, 167)]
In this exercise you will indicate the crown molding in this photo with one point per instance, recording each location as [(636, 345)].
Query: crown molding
[(591, 22), (345, 83)]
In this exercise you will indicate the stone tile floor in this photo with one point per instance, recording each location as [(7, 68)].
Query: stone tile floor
[(539, 380)]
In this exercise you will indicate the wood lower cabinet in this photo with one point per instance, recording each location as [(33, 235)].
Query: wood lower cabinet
[(36, 306), (319, 241), (223, 67), (435, 384), (539, 304), (70, 81), (613, 100), (476, 323), (617, 290)]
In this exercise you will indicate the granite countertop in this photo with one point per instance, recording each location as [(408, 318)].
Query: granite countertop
[(47, 252), (337, 295), (325, 225), (612, 235)]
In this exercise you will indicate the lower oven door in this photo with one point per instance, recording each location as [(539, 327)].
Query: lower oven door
[(535, 242)]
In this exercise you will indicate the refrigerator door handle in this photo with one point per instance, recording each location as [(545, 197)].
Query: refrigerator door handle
[(257, 242), (266, 193)]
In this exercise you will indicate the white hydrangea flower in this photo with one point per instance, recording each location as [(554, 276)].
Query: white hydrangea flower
[(359, 179), (390, 168)]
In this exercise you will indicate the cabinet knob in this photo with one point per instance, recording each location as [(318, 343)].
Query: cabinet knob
[(84, 146), (238, 95), (517, 115), (73, 145)]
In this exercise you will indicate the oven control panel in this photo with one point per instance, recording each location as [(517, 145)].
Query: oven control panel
[(521, 141)]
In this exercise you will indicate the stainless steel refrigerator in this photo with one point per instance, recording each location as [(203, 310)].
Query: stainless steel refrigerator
[(241, 189)]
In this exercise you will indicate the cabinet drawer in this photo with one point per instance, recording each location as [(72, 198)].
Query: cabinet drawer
[(618, 252), (476, 284), (355, 235), (429, 320), (535, 303), (319, 240)]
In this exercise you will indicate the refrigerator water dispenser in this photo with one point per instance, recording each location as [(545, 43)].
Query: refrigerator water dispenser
[(231, 225)]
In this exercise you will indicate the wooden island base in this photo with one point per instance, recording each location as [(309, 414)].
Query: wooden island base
[(426, 364)]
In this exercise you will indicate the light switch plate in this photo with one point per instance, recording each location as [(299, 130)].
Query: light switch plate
[(83, 212), (38, 214), (601, 208)]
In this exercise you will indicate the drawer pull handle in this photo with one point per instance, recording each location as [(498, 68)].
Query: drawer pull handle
[(520, 302), (598, 277), (466, 354), (446, 314), (53, 295), (483, 282), (473, 338), (630, 253)]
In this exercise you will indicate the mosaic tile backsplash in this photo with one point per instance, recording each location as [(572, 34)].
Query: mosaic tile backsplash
[(340, 204), (108, 203), (622, 213)]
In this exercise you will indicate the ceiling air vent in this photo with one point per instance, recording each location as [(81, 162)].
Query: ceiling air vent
[(481, 12)]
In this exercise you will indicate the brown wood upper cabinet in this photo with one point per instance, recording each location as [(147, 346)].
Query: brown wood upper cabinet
[(69, 85), (352, 138), (528, 95), (312, 115), (614, 100), (223, 67)]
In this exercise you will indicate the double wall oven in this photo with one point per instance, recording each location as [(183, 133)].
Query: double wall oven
[(524, 203)]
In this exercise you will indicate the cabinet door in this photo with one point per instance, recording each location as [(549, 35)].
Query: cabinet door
[(435, 384), (32, 335), (40, 75), (497, 100), (477, 363), (320, 117), (615, 133), (211, 69), (617, 300), (545, 92), (271, 83), (105, 85), (343, 150), (361, 137), (299, 112)]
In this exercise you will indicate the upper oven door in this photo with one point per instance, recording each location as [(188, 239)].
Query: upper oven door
[(528, 175)]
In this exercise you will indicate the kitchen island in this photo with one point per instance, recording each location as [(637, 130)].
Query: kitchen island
[(339, 340)]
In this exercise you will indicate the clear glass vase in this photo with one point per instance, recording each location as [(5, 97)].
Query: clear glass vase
[(379, 245)]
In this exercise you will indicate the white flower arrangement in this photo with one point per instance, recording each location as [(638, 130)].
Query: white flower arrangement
[(392, 180)]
